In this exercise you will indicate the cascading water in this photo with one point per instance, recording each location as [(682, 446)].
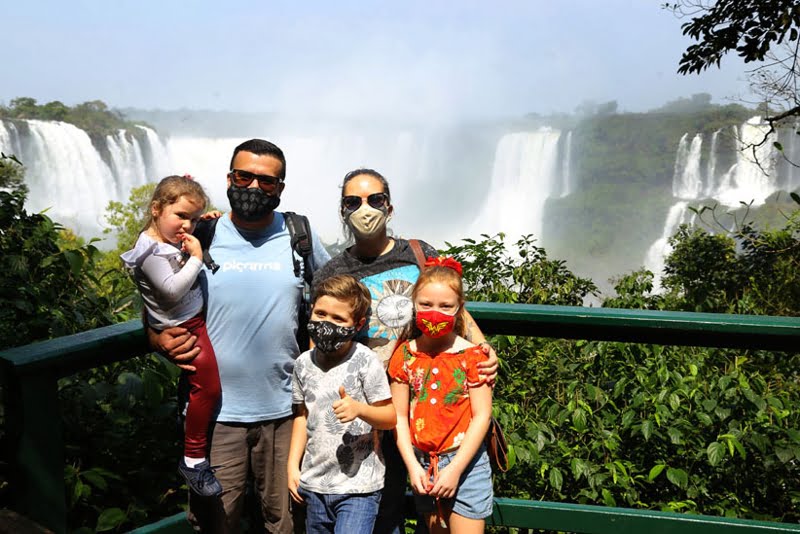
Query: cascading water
[(566, 167), (753, 178), (68, 177), (523, 178)]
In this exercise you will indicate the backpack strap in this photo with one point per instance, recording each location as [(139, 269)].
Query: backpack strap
[(300, 237), (204, 232), (416, 248)]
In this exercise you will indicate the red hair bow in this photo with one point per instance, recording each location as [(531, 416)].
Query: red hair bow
[(444, 261)]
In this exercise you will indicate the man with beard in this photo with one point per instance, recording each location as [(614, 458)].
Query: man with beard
[(252, 309)]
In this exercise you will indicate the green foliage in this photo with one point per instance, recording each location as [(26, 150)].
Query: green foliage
[(750, 27), (490, 273), (45, 291), (94, 117), (667, 428), (751, 271), (122, 443)]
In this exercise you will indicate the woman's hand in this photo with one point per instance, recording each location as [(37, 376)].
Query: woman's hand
[(487, 369)]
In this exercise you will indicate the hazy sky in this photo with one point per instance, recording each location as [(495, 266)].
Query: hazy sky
[(425, 58)]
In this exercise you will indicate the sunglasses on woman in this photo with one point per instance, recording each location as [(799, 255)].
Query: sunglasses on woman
[(244, 178), (375, 200)]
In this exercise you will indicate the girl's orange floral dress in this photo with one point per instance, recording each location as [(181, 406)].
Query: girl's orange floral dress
[(439, 393)]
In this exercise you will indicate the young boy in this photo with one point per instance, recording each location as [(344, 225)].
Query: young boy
[(341, 398)]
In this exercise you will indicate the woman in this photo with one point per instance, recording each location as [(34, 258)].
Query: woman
[(388, 266)]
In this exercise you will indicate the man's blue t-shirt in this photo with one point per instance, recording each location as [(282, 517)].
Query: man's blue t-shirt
[(252, 304)]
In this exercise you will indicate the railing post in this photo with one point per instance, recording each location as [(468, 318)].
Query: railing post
[(36, 442)]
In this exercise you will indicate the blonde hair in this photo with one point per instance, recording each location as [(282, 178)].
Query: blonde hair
[(450, 278), (169, 190), (348, 289)]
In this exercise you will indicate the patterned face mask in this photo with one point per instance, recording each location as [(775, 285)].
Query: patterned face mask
[(433, 323), (329, 337), (251, 203)]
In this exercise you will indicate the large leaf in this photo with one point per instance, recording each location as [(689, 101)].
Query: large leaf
[(110, 519), (715, 452)]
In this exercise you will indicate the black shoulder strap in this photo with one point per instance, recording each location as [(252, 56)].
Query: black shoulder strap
[(204, 232), (300, 236)]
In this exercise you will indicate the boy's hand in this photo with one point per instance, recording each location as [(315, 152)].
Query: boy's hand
[(192, 245), (346, 409), (294, 484)]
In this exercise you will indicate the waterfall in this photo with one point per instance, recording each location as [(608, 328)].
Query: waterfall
[(68, 176), (158, 162), (711, 172), (687, 181), (522, 181), (752, 177), (660, 249), (566, 167), (127, 163)]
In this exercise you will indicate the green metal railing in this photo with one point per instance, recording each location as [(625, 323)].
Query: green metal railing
[(29, 377)]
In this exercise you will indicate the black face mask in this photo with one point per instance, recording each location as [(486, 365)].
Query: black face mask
[(329, 337), (251, 203)]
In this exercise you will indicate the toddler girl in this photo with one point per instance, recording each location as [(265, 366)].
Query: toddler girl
[(168, 282)]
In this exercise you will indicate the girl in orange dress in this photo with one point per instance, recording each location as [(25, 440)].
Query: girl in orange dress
[(443, 407)]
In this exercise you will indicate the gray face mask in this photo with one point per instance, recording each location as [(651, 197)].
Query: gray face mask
[(251, 203)]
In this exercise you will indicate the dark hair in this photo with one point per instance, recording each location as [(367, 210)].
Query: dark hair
[(169, 190), (260, 147), (369, 172), (346, 288)]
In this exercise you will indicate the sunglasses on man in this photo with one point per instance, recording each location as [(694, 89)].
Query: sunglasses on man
[(242, 178), (375, 200)]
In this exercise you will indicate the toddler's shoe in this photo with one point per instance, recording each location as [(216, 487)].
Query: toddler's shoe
[(200, 479)]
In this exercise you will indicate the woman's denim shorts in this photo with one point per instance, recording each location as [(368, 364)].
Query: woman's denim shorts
[(474, 496)]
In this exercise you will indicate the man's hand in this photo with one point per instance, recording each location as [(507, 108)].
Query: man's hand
[(176, 344), (346, 409)]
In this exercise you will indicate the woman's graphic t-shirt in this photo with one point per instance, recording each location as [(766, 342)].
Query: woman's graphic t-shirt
[(440, 411), (390, 279)]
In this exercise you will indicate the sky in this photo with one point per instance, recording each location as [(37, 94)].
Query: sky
[(423, 59)]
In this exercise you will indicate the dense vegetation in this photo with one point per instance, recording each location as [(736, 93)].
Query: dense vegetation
[(672, 428), (94, 117)]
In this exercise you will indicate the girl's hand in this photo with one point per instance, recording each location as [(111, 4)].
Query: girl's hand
[(192, 246), (214, 214), (445, 485), (294, 484), (418, 478)]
